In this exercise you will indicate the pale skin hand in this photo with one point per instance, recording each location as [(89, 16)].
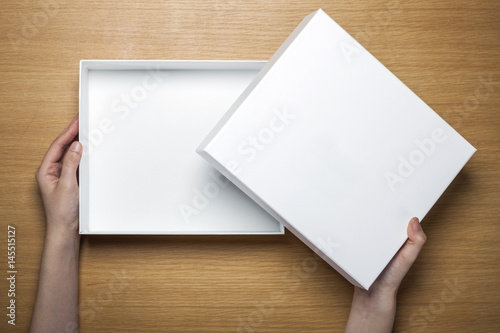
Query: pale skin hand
[(56, 304), (374, 310)]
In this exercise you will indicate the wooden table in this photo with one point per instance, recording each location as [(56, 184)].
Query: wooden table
[(448, 52)]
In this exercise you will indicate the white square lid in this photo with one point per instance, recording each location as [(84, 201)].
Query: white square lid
[(333, 145)]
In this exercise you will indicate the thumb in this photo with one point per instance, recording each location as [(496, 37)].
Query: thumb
[(416, 235), (415, 242), (70, 163)]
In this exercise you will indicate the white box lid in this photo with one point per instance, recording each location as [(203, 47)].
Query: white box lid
[(337, 148)]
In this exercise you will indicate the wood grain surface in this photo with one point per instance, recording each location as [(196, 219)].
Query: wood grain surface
[(447, 52)]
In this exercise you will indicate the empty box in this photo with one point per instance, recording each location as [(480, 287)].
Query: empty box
[(140, 124)]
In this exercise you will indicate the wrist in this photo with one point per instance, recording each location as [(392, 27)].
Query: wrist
[(375, 300), (61, 234), (61, 248), (372, 311)]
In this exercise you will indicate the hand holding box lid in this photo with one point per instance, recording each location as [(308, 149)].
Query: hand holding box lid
[(334, 146)]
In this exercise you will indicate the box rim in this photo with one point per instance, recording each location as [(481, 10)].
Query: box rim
[(87, 65)]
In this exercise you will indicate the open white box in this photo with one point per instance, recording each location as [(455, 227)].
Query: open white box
[(140, 124)]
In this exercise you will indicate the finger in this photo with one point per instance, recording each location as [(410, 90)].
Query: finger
[(416, 235), (70, 164), (58, 147), (415, 242)]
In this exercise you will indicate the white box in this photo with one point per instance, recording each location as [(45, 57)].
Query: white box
[(334, 146), (140, 123)]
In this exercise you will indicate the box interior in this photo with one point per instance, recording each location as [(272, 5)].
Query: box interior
[(140, 124)]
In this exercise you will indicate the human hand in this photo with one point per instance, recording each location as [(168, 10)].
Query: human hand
[(373, 310), (56, 304), (58, 184), (389, 280)]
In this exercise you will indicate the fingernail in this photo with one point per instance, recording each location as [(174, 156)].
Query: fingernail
[(416, 225), (75, 146)]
